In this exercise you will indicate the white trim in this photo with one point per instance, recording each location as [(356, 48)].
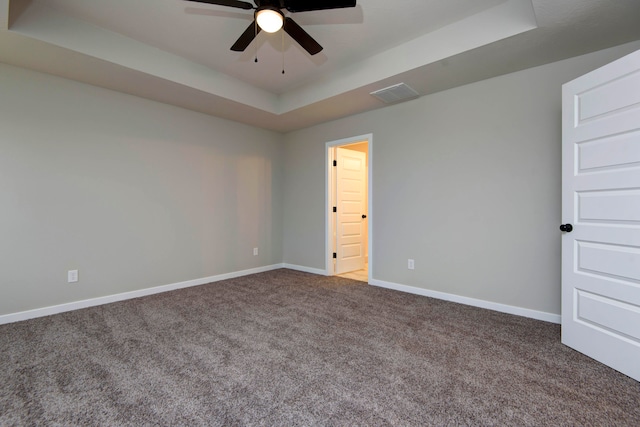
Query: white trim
[(48, 311), (305, 269), (503, 308), (368, 138)]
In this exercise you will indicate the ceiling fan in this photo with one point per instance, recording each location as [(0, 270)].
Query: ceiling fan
[(268, 16)]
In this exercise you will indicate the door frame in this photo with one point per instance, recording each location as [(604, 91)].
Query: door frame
[(368, 138)]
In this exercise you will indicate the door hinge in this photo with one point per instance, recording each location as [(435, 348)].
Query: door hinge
[(335, 209), (335, 255), (335, 163)]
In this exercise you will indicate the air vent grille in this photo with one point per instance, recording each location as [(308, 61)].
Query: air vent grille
[(396, 93)]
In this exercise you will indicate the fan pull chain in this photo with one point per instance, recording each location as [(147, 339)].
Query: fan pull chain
[(255, 36), (282, 31)]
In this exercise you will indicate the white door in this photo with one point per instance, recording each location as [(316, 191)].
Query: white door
[(350, 195), (601, 200)]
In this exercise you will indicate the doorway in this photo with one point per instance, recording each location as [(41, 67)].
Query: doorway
[(348, 207)]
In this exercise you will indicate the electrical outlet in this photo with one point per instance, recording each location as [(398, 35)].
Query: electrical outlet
[(411, 264), (255, 251), (72, 276)]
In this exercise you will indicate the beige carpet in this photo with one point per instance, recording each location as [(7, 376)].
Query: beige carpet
[(290, 348)]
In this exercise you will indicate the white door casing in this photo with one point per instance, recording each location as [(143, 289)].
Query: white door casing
[(350, 204), (601, 199)]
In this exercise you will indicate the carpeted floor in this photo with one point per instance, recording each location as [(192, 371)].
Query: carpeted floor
[(288, 348)]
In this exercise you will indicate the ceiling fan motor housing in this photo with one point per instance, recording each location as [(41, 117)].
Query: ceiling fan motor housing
[(270, 4), (269, 17), (309, 5), (305, 5)]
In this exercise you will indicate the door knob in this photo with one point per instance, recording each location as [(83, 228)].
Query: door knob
[(566, 227), (364, 216)]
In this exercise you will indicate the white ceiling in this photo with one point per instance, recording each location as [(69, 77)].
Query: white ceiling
[(177, 52)]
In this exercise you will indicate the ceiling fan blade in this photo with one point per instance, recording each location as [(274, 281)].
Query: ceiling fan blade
[(301, 36), (309, 5), (246, 38), (230, 3)]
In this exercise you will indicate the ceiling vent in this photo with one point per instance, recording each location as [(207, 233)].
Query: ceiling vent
[(396, 93)]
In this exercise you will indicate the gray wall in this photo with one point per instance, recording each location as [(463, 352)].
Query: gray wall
[(137, 194), (133, 193), (467, 182)]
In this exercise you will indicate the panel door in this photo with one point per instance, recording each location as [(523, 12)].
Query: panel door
[(601, 199), (350, 191)]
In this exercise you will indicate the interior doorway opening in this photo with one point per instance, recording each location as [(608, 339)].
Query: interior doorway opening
[(348, 225)]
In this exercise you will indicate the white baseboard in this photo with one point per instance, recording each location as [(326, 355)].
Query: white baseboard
[(503, 308), (47, 311), (305, 269)]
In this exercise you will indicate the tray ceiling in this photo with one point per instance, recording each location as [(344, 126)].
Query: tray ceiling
[(177, 52)]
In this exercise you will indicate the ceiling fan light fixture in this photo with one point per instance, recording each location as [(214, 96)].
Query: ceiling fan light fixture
[(270, 20)]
